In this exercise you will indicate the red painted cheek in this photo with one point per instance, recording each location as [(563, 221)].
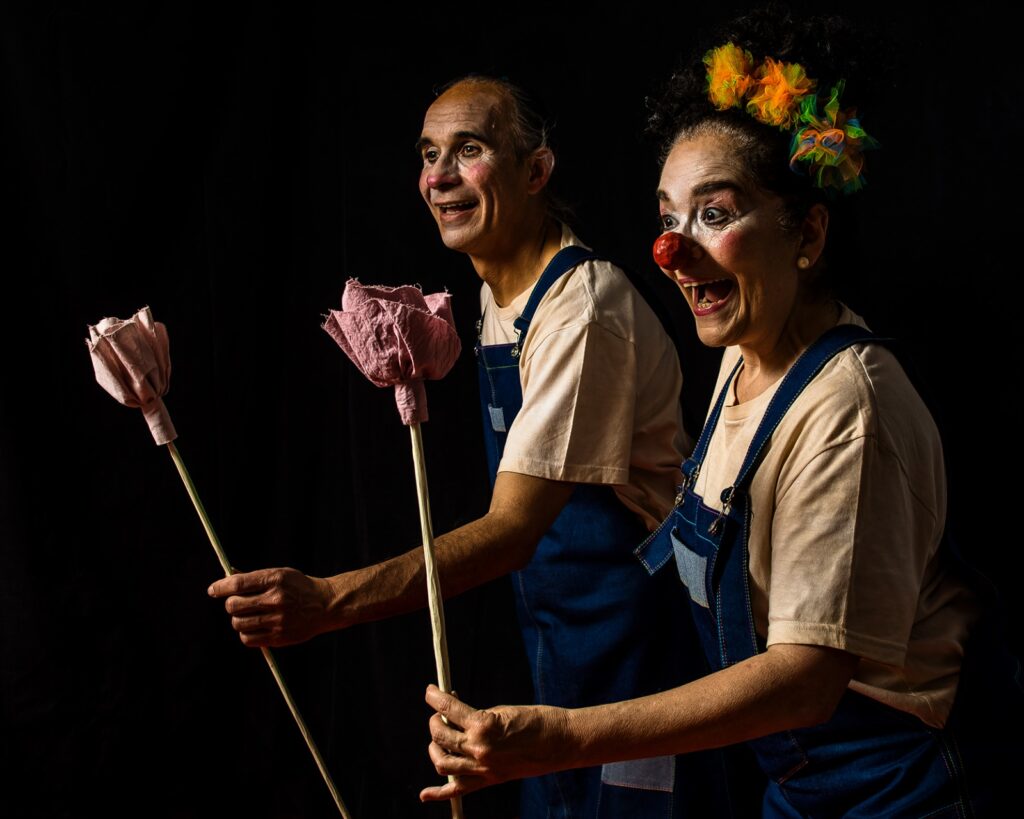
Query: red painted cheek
[(727, 247), (476, 174)]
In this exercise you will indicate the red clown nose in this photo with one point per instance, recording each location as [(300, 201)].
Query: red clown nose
[(672, 251)]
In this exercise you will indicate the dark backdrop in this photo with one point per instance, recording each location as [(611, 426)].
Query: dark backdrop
[(231, 168)]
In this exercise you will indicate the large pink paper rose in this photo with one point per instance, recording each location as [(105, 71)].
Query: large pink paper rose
[(397, 336)]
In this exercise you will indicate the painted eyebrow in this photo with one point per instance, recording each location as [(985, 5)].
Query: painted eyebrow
[(715, 185), (704, 188), (423, 142)]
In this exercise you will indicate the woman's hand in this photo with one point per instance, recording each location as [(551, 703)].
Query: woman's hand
[(785, 687), (483, 748)]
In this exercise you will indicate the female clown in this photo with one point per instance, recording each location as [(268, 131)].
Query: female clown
[(846, 646)]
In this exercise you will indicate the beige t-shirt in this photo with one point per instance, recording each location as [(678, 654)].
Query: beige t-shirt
[(848, 507), (601, 385)]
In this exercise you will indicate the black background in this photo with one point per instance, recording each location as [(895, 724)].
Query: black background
[(231, 165)]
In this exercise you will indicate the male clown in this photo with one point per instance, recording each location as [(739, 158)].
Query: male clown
[(580, 400)]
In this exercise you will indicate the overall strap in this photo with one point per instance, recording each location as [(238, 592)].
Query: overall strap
[(691, 467), (799, 376), (562, 262)]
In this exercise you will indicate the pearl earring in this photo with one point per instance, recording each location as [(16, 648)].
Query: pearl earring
[(803, 262)]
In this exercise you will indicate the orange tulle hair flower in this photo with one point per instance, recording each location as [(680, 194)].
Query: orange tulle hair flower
[(778, 91), (729, 75)]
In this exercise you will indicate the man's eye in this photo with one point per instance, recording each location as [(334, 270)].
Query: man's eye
[(430, 155), (470, 150), (667, 222), (713, 216)]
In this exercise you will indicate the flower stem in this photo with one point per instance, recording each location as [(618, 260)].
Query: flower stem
[(433, 582), (267, 655)]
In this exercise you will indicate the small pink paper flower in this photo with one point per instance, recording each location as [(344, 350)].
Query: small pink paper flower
[(397, 337), (132, 362)]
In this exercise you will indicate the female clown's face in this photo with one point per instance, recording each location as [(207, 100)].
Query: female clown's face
[(738, 267)]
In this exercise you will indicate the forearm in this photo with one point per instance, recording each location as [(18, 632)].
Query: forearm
[(275, 607), (785, 688), (482, 550), (789, 686)]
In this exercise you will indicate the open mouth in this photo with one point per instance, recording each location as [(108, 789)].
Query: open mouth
[(457, 207), (708, 295)]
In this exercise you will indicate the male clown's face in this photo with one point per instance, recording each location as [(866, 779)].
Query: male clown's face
[(476, 187)]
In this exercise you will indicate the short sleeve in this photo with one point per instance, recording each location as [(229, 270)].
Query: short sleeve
[(579, 397), (849, 550)]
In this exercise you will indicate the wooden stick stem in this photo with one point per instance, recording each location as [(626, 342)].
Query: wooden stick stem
[(267, 655), (434, 600)]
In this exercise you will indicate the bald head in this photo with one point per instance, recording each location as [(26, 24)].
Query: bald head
[(486, 104), (521, 127)]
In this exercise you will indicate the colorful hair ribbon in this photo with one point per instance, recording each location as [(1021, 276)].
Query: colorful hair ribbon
[(833, 146), (782, 95)]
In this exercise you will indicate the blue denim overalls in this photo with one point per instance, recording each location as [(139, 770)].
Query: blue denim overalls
[(868, 760), (595, 628)]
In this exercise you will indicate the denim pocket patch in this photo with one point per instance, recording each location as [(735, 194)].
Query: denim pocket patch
[(497, 418), (692, 570), (655, 774)]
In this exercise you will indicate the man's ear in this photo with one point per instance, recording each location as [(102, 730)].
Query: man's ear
[(541, 164)]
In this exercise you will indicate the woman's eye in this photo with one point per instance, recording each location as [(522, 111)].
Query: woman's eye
[(713, 216), (666, 222)]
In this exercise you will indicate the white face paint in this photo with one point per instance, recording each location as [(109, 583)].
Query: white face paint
[(473, 183), (740, 278)]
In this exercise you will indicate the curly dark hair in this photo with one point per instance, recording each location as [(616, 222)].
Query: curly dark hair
[(830, 48)]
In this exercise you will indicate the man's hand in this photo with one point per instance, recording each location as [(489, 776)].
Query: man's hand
[(275, 607), (278, 607), (483, 748)]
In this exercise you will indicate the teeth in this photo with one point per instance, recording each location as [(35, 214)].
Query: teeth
[(701, 299), (691, 285), (450, 206)]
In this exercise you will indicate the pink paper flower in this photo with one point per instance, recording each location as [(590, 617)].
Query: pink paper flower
[(397, 337), (132, 361)]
